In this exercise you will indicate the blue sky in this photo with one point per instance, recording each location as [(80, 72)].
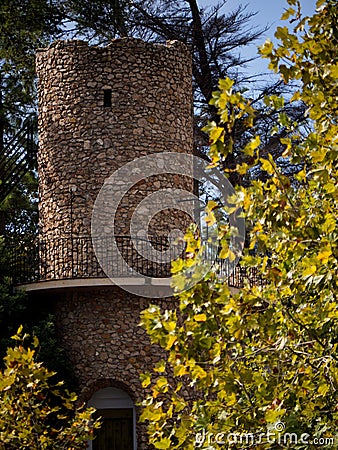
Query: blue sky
[(268, 13)]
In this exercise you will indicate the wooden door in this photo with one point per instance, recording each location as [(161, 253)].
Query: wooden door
[(116, 432)]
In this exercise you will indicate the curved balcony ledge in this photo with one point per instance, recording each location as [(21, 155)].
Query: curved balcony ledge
[(79, 282), (156, 286)]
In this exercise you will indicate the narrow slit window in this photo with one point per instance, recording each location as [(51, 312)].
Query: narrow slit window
[(107, 97)]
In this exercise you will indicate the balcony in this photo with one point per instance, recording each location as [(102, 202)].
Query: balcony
[(71, 262)]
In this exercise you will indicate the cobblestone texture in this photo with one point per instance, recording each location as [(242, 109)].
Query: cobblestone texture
[(81, 143)]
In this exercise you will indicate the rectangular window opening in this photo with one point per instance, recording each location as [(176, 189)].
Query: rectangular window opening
[(107, 97)]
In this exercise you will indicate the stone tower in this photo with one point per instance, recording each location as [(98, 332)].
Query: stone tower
[(100, 108)]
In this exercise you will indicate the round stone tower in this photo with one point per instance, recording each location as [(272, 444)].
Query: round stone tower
[(99, 109)]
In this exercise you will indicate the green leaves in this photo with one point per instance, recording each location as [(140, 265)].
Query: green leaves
[(268, 165), (266, 49), (35, 412), (246, 359), (25, 26), (163, 443), (289, 12), (233, 108)]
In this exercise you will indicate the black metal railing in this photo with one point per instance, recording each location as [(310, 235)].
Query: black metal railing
[(74, 257)]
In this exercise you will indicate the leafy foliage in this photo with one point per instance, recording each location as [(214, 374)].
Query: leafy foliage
[(214, 34), (25, 26), (264, 359), (19, 210), (30, 413), (16, 309)]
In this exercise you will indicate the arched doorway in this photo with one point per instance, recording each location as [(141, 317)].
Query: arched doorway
[(117, 411)]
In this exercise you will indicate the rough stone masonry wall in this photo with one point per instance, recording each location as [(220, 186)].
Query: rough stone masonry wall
[(82, 142), (99, 328)]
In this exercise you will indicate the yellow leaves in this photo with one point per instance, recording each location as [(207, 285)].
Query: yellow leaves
[(210, 218), (320, 174), (225, 84), (270, 329), (180, 370), (198, 372), (179, 282), (316, 48), (242, 168), (296, 97), (316, 112), (31, 400), (288, 144), (214, 153), (275, 274), (145, 379), (226, 253), (309, 381), (224, 116), (231, 306), (258, 378), (215, 353), (275, 102), (160, 367), (192, 240), (318, 155), (268, 164), (19, 335), (309, 270), (200, 317), (161, 386), (264, 265), (266, 49), (313, 264), (177, 265), (163, 443), (323, 389), (250, 148), (212, 205), (230, 399), (170, 341), (289, 12), (169, 325), (177, 400), (273, 415), (262, 238), (152, 414), (285, 72), (334, 374), (192, 245), (300, 221), (330, 188), (216, 133), (334, 71), (301, 176), (324, 254), (329, 224)]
